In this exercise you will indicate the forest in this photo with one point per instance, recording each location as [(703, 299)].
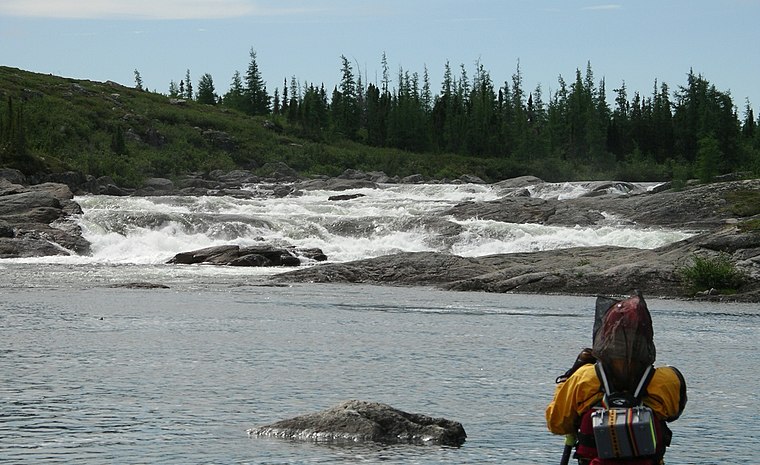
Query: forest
[(692, 130), (471, 122)]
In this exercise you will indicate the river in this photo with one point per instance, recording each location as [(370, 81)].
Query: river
[(91, 373)]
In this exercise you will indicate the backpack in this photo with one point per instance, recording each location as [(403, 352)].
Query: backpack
[(621, 429)]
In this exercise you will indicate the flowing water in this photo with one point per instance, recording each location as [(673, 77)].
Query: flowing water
[(91, 373)]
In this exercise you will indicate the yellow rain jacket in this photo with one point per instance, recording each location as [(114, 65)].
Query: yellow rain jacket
[(665, 395)]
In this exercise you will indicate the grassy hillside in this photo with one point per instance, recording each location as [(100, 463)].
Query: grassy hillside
[(106, 129)]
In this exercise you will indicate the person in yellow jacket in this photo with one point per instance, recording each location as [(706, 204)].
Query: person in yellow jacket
[(624, 352)]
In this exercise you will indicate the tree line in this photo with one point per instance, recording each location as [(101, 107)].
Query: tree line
[(695, 128)]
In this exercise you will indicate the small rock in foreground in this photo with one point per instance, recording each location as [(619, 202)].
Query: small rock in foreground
[(361, 421)]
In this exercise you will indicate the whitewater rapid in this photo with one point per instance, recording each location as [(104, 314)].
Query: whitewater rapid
[(392, 219)]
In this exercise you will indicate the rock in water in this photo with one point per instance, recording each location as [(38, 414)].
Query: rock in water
[(360, 421)]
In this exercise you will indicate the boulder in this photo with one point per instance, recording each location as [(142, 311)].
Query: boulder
[(6, 230), (336, 184), (279, 171), (159, 184), (234, 255), (220, 139), (470, 179), (35, 221), (413, 179), (12, 176), (23, 202), (361, 421), (336, 198), (522, 181)]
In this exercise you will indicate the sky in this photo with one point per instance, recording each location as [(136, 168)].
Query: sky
[(635, 42)]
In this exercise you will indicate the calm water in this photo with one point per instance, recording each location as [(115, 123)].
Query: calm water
[(91, 375)]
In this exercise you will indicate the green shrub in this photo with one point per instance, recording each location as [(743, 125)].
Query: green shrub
[(744, 202), (750, 226), (704, 273)]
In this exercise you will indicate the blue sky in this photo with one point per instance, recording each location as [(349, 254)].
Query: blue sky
[(636, 41)]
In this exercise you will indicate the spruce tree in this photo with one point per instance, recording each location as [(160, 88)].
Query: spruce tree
[(708, 158), (285, 101), (188, 86), (345, 102), (235, 96), (276, 102), (257, 99), (295, 100), (749, 124), (206, 92), (138, 81)]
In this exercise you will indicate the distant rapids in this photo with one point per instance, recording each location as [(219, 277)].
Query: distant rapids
[(392, 219)]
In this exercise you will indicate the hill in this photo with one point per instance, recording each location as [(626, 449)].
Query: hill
[(52, 124)]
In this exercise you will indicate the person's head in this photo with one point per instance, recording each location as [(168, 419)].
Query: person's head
[(625, 341)]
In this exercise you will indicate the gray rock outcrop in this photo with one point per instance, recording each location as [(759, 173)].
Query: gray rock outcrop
[(360, 421), (35, 221), (699, 208)]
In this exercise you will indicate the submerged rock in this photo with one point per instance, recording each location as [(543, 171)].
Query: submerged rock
[(361, 421), (139, 285)]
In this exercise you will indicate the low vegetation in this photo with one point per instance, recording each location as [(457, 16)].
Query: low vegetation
[(744, 203), (704, 273)]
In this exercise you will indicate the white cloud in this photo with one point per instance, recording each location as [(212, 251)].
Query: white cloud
[(130, 9), (611, 6)]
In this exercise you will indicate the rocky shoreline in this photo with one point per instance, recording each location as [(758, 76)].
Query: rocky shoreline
[(34, 222), (719, 229)]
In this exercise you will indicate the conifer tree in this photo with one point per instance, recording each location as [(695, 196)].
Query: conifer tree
[(255, 88), (235, 96), (188, 86), (708, 158), (386, 74), (295, 100), (519, 119), (345, 103), (618, 133), (285, 101), (276, 102), (749, 124), (174, 90), (138, 80), (482, 115), (662, 124), (206, 92)]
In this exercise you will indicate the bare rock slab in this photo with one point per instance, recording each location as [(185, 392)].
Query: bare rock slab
[(361, 421)]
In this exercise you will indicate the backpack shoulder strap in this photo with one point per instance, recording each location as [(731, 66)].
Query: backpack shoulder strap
[(605, 384), (640, 388), (643, 382)]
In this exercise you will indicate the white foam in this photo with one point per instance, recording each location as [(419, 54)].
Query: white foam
[(395, 218)]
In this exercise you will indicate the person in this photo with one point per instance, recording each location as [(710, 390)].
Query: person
[(617, 371)]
